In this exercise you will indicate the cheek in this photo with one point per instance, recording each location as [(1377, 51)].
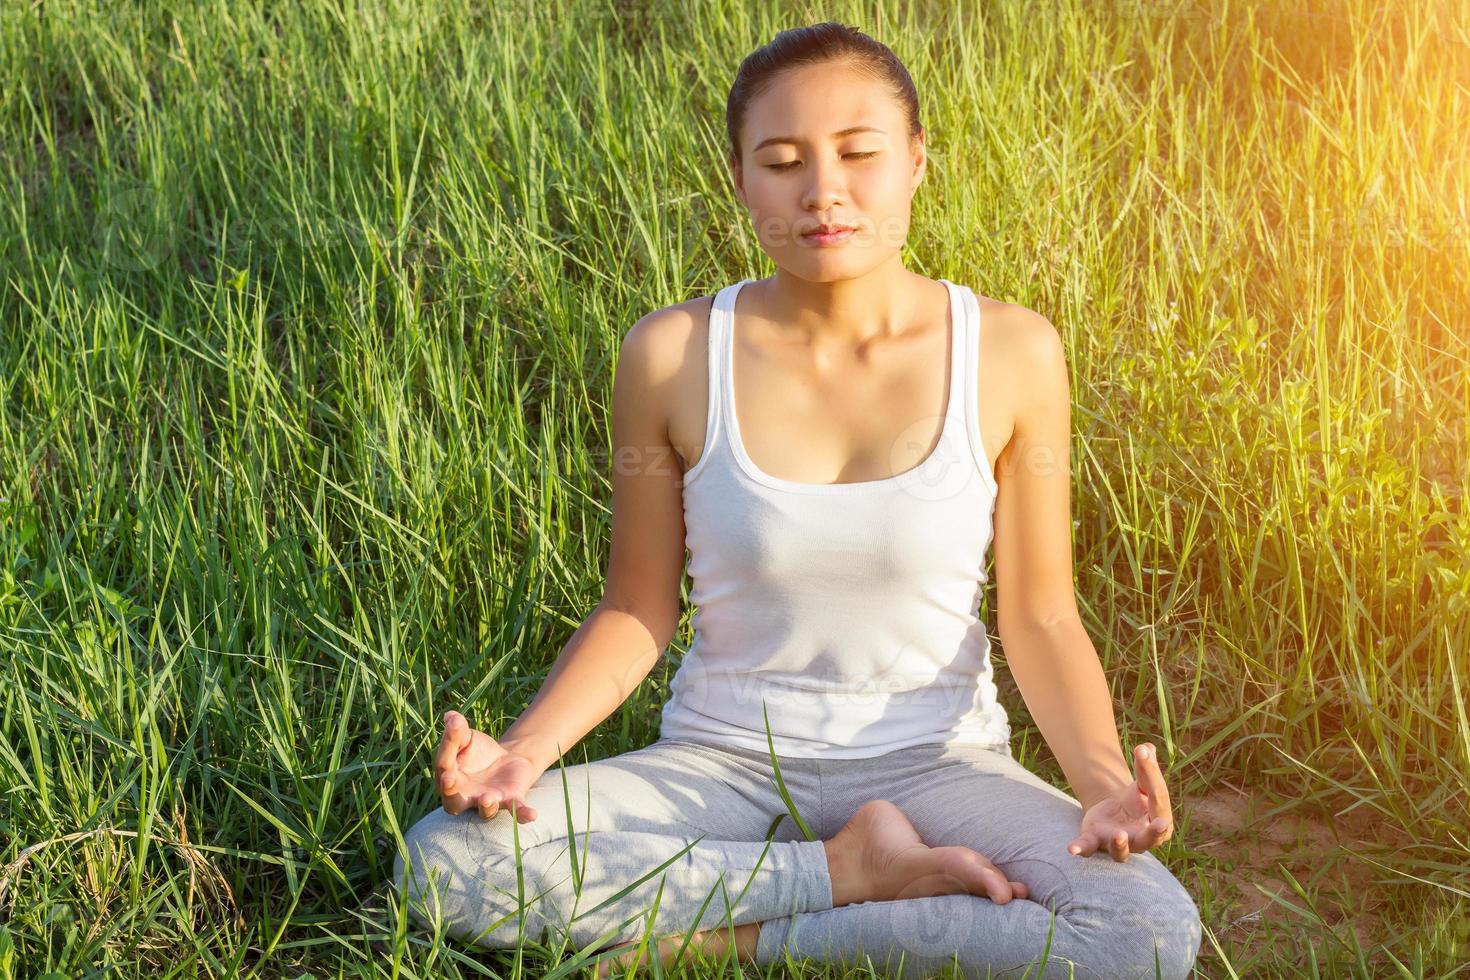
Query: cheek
[(887, 188), (766, 195), (772, 214)]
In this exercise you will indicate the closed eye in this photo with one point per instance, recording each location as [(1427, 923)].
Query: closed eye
[(792, 163)]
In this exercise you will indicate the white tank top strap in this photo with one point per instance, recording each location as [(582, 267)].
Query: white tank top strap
[(958, 356), (718, 334), (973, 393)]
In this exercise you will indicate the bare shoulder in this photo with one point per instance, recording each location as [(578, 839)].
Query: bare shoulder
[(669, 348), (1023, 367), (662, 338), (1022, 343), (1019, 334), (665, 348)]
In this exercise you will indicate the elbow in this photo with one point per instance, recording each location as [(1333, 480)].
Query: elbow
[(661, 627), (1023, 627), (660, 622)]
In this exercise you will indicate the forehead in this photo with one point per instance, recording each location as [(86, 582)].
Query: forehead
[(816, 102)]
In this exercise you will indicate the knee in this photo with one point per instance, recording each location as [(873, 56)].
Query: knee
[(425, 872), (1157, 938), (455, 870), (1168, 946)]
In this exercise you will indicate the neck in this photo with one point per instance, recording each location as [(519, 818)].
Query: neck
[(844, 313)]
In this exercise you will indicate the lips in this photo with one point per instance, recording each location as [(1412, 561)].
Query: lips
[(826, 230)]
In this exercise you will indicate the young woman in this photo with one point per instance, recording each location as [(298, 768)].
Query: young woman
[(820, 440)]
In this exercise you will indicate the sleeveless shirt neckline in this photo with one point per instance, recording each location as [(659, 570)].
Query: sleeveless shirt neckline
[(958, 351)]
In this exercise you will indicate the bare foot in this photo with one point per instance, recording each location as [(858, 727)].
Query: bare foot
[(878, 856), (710, 942)]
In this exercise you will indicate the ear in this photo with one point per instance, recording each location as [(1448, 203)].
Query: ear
[(921, 165), (738, 178)]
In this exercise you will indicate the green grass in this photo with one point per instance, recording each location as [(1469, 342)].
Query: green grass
[(309, 321)]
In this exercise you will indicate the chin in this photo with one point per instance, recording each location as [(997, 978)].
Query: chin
[(819, 272)]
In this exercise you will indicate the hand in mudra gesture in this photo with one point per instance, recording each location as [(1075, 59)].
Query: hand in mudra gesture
[(1134, 818), (473, 771)]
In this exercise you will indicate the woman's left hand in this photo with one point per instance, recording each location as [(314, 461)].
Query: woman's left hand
[(1134, 817)]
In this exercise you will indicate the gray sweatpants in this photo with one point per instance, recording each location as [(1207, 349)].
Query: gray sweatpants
[(704, 813)]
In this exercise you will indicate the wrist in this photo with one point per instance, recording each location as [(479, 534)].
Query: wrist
[(1101, 787), (537, 750)]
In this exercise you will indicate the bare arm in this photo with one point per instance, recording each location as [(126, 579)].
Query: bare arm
[(607, 657), (1047, 648), (621, 640)]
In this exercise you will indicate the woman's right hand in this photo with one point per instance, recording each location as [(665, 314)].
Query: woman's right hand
[(473, 771)]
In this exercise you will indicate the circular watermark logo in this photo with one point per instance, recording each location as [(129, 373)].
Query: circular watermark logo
[(136, 226), (948, 471)]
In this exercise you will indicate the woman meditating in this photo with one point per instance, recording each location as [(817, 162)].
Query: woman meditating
[(820, 441)]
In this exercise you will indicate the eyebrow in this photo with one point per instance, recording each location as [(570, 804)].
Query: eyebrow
[(793, 139)]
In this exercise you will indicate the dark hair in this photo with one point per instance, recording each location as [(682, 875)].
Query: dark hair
[(812, 45)]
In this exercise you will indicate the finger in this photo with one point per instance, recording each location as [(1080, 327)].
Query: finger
[(489, 803), (1151, 779), (508, 799), (444, 756), (465, 746), (454, 803), (1084, 844), (461, 734), (1019, 889), (1150, 835), (1118, 845)]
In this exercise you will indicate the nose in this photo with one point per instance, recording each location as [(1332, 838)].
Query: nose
[(824, 190)]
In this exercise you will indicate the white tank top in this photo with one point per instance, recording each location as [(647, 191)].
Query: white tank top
[(846, 611)]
